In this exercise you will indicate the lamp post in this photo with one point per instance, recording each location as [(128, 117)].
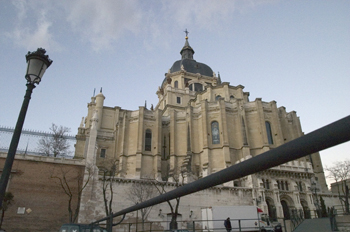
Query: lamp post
[(38, 62), (314, 190)]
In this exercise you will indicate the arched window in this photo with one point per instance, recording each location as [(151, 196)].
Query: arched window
[(269, 132), (232, 97), (176, 84), (215, 132), (198, 87), (148, 140), (217, 98)]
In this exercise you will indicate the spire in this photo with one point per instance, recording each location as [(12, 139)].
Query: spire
[(187, 52), (219, 79)]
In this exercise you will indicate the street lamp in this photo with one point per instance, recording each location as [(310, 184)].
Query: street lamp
[(38, 62), (314, 190)]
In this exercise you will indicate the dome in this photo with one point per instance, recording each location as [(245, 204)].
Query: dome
[(192, 66), (189, 64)]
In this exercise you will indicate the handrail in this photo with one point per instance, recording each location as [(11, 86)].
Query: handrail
[(333, 134)]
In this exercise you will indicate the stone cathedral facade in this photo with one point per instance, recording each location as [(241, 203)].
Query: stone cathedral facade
[(200, 125)]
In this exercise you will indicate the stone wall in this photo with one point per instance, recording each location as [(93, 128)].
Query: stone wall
[(40, 197), (93, 208)]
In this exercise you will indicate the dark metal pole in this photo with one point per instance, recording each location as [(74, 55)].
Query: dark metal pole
[(14, 143), (333, 134)]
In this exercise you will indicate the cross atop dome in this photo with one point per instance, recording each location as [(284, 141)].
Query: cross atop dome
[(187, 52), (186, 33)]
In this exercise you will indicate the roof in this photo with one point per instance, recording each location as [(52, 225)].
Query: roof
[(192, 66), (189, 64)]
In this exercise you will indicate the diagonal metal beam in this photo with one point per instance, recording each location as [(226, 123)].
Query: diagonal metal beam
[(333, 134)]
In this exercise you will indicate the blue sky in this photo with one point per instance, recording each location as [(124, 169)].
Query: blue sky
[(294, 52)]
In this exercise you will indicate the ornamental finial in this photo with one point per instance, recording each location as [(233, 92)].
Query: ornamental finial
[(186, 33)]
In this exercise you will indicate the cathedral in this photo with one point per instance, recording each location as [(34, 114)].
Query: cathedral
[(200, 125)]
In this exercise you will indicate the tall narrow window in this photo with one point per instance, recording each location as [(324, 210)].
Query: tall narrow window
[(215, 132), (300, 185), (269, 132), (164, 146), (176, 84), (148, 140), (169, 147), (188, 138), (178, 100), (245, 140), (217, 98), (103, 153)]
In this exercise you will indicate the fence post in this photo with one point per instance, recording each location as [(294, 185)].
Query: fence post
[(284, 223), (239, 225), (193, 226)]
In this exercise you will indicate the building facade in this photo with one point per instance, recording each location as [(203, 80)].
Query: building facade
[(200, 125)]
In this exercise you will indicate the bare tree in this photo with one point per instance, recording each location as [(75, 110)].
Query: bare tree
[(178, 180), (340, 172), (109, 172), (56, 144), (72, 183), (140, 192)]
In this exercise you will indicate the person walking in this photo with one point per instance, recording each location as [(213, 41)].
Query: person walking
[(227, 224)]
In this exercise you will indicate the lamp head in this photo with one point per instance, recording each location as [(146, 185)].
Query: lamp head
[(37, 62)]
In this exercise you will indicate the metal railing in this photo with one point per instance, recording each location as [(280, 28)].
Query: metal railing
[(194, 225), (333, 134)]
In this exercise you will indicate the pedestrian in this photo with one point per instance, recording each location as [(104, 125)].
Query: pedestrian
[(227, 224)]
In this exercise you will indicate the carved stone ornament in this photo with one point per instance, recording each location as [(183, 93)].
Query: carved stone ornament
[(168, 80)]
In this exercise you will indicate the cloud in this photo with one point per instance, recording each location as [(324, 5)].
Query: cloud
[(205, 14), (30, 32), (102, 23)]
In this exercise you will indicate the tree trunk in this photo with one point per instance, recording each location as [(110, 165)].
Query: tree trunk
[(173, 222), (2, 217)]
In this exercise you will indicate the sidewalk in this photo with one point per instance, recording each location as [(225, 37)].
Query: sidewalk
[(314, 225)]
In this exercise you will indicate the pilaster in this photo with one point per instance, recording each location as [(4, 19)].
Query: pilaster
[(172, 129), (140, 139), (205, 133)]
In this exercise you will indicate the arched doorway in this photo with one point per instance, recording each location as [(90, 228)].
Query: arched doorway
[(306, 209), (271, 209), (285, 208)]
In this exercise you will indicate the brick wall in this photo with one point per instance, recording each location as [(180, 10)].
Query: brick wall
[(44, 200)]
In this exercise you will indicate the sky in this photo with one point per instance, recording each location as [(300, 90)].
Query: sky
[(294, 52)]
